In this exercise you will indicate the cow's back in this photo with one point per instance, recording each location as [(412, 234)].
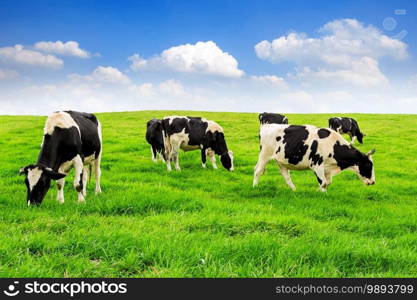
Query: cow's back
[(296, 146)]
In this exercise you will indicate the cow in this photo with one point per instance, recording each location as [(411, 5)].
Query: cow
[(155, 139), (348, 126), (302, 147), (71, 139), (195, 133), (271, 118)]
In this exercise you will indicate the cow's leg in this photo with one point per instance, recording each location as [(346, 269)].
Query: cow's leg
[(161, 156), (203, 158), (212, 158), (286, 174), (176, 160), (321, 178), (97, 174), (78, 182), (60, 183), (259, 168), (85, 177), (168, 154), (153, 153), (328, 176)]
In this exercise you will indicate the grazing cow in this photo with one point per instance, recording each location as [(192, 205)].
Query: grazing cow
[(191, 133), (155, 139), (322, 150), (271, 118), (346, 126), (71, 139)]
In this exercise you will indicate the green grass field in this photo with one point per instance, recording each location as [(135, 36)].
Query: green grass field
[(211, 223)]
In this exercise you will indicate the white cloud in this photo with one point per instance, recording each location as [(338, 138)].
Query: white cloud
[(342, 40), (8, 74), (138, 62), (346, 50), (146, 89), (202, 57), (270, 79), (168, 88), (103, 75), (19, 55), (362, 72), (412, 81), (70, 48)]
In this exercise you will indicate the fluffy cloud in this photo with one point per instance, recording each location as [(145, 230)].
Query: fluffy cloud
[(103, 75), (270, 79), (168, 88), (19, 55), (362, 72), (202, 57), (8, 74), (344, 51), (70, 48)]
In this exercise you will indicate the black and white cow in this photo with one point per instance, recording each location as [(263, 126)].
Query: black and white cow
[(348, 126), (155, 139), (193, 133), (271, 118), (322, 150), (71, 139)]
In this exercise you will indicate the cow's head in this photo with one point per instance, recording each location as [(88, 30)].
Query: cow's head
[(38, 180), (216, 141), (227, 160), (359, 136), (365, 168)]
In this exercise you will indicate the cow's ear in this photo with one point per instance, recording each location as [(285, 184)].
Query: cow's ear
[(371, 152), (53, 175), (23, 171)]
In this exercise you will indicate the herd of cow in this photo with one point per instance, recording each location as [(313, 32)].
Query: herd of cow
[(73, 140)]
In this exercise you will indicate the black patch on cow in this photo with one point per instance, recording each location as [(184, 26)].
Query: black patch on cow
[(316, 158), (279, 150), (330, 155), (278, 138), (195, 127), (323, 133), (271, 118), (318, 179), (260, 147), (88, 125), (347, 156), (294, 138)]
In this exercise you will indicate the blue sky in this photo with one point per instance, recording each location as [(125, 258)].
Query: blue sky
[(240, 78)]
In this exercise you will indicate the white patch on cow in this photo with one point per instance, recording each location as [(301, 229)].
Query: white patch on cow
[(89, 159), (59, 119), (65, 167), (213, 127), (33, 176), (231, 158)]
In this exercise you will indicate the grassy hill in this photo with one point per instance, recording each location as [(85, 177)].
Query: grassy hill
[(211, 223)]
